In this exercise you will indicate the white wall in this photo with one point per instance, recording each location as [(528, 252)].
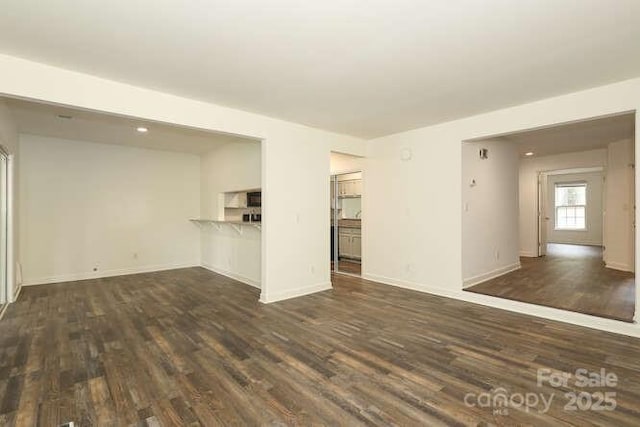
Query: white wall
[(289, 150), (490, 210), (414, 211), (593, 233), (9, 140), (235, 166), (530, 167), (619, 230), (115, 208)]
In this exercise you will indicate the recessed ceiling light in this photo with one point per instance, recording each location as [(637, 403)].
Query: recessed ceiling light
[(142, 129), (530, 153)]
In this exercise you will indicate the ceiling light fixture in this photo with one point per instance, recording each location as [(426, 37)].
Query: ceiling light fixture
[(530, 153), (142, 129)]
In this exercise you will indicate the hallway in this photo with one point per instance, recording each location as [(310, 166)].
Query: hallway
[(569, 277)]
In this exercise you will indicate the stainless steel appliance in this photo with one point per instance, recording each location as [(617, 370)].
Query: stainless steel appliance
[(254, 199)]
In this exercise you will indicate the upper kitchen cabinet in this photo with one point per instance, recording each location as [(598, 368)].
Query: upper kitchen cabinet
[(350, 185), (236, 199)]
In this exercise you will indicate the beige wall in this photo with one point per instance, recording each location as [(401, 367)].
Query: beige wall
[(490, 210), (112, 208)]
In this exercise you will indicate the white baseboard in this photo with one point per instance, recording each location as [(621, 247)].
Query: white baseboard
[(294, 293), (411, 285), (585, 320), (490, 275), (234, 276), (102, 274), (528, 254), (16, 294), (619, 266), (577, 243)]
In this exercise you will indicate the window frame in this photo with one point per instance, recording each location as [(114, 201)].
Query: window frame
[(555, 206)]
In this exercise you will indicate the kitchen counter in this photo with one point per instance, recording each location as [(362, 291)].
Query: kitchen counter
[(237, 225), (349, 223), (221, 221)]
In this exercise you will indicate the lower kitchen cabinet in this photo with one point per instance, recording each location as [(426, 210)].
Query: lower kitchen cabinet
[(349, 243)]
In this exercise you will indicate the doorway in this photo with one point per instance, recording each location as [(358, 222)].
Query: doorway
[(571, 207), (346, 223)]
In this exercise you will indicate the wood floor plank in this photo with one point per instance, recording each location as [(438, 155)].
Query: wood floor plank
[(569, 277), (189, 347)]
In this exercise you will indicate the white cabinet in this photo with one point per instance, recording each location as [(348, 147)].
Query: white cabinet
[(350, 188), (235, 200), (350, 243), (357, 187), (342, 188), (344, 244), (356, 246)]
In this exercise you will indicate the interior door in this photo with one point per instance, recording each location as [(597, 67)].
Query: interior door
[(4, 229), (632, 212), (543, 218), (333, 184)]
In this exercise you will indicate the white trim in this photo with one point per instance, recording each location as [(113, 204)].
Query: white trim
[(106, 273), (574, 171), (231, 275), (490, 275), (12, 283), (294, 293), (17, 293), (358, 276), (528, 254), (585, 320), (619, 266)]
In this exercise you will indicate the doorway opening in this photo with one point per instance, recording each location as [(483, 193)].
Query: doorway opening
[(571, 216), (346, 189)]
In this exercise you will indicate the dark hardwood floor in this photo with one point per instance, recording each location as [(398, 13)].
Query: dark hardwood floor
[(569, 277), (189, 347), (348, 266)]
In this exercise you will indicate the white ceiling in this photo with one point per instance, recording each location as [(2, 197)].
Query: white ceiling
[(361, 67), (45, 120), (579, 136)]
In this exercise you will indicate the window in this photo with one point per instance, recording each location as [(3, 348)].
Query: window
[(571, 206)]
